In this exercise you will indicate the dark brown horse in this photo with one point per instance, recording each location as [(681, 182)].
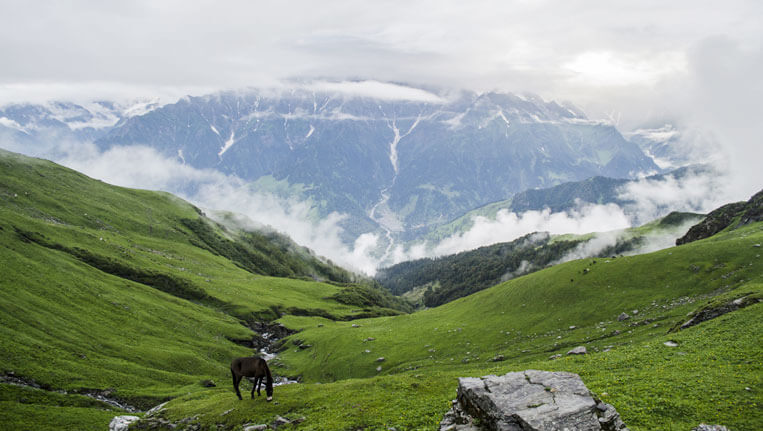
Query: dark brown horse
[(252, 367)]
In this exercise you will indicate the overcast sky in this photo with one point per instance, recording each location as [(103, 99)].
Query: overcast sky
[(600, 54)]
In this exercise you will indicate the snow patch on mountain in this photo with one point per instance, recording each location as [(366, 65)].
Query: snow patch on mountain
[(229, 143)]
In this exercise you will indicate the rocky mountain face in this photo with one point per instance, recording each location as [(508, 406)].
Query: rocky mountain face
[(401, 165)]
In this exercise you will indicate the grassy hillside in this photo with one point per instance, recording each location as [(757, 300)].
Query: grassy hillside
[(444, 279), (712, 375), (109, 289)]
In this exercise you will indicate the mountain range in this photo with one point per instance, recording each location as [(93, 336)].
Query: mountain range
[(398, 167)]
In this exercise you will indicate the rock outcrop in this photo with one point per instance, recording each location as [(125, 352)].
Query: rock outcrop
[(716, 310), (721, 218), (529, 400)]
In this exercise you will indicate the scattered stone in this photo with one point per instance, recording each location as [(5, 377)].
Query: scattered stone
[(258, 427), (498, 358), (378, 369), (208, 383), (623, 316), (580, 350), (366, 351), (122, 423), (635, 311), (280, 421), (573, 327), (370, 339), (529, 400), (705, 427), (156, 409), (320, 325), (380, 359), (226, 412), (355, 325), (557, 356), (670, 344)]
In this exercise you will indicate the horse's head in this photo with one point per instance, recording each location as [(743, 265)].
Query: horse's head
[(269, 389)]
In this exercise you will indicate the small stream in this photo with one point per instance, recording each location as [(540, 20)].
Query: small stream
[(100, 395)]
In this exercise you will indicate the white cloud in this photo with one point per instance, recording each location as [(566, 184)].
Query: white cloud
[(375, 90), (654, 198), (507, 226), (607, 68)]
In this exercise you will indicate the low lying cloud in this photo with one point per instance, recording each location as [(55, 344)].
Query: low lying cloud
[(507, 226), (375, 89), (697, 191)]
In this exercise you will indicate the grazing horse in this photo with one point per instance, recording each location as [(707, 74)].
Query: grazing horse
[(252, 367)]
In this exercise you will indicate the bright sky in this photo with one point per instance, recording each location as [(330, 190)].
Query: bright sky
[(585, 51)]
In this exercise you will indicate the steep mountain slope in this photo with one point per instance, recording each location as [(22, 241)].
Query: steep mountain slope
[(388, 163), (135, 294)]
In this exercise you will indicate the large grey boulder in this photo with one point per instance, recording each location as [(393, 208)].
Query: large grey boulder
[(529, 400)]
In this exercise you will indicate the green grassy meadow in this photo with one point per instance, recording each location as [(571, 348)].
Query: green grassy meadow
[(105, 288)]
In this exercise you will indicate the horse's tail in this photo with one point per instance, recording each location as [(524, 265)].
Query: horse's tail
[(268, 382)]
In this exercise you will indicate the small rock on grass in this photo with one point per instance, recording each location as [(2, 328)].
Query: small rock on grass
[(705, 427), (580, 350)]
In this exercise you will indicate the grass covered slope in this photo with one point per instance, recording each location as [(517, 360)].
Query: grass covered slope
[(436, 281), (707, 373), (531, 316), (106, 288)]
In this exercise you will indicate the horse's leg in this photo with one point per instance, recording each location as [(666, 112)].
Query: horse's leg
[(236, 381), (254, 386), (259, 386)]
